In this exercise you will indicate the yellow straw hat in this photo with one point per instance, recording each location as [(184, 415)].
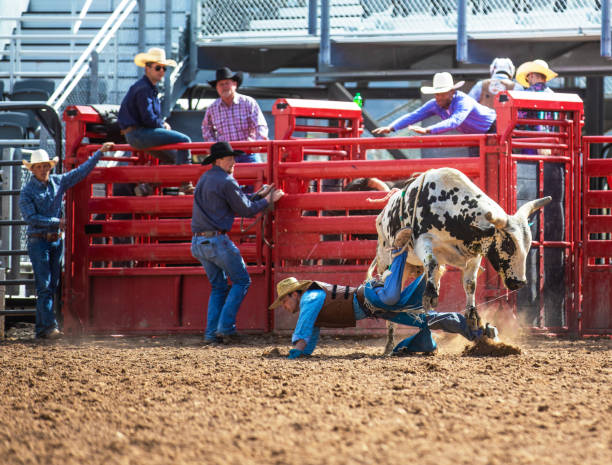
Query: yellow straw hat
[(153, 55), (535, 66), (38, 156), (287, 286)]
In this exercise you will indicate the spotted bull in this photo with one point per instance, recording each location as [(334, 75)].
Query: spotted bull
[(455, 223)]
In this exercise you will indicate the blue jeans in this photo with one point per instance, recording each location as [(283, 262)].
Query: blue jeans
[(143, 138), (221, 259), (46, 262)]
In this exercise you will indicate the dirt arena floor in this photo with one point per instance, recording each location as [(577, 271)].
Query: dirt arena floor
[(170, 400)]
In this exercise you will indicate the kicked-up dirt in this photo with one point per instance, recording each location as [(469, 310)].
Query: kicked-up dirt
[(171, 400)]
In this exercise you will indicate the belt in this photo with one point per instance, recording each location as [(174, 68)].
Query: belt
[(128, 129), (50, 237), (209, 233), (360, 293)]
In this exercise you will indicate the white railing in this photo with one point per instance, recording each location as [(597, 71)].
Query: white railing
[(106, 33)]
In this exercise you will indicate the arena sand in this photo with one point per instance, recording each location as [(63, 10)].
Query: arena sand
[(169, 400)]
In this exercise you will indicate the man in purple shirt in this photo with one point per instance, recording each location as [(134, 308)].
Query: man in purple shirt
[(233, 116), (457, 110)]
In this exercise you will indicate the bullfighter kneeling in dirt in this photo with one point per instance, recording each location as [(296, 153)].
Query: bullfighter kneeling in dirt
[(323, 305)]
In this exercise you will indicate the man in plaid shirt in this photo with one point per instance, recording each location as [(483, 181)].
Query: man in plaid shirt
[(233, 116)]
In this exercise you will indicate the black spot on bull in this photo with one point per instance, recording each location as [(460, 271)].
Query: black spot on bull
[(508, 245), (471, 203), (499, 264)]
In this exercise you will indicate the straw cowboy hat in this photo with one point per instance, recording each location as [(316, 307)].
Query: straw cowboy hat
[(226, 73), (221, 150), (38, 156), (535, 66), (286, 287), (153, 55), (442, 82)]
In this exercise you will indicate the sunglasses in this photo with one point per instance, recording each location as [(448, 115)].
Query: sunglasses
[(159, 67)]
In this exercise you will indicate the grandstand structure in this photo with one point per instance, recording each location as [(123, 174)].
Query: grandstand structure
[(80, 52)]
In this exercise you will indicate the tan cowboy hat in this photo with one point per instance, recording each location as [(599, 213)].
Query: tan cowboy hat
[(442, 82), (153, 55), (535, 66), (38, 156), (287, 286)]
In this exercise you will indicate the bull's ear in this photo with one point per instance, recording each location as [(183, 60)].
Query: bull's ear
[(532, 206), (498, 222)]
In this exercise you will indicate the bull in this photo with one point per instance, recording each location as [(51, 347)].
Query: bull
[(452, 222)]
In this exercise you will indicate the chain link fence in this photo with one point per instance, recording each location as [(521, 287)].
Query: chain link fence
[(274, 18)]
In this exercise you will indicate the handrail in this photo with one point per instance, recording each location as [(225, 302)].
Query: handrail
[(81, 66)]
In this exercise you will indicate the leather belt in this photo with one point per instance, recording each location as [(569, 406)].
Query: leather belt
[(360, 293), (209, 233), (128, 129), (49, 237)]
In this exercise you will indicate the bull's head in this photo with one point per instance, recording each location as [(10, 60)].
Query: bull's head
[(508, 253)]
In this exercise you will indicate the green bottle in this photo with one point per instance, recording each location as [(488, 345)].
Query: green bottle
[(358, 100)]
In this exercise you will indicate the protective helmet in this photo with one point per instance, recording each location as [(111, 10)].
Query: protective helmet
[(502, 65)]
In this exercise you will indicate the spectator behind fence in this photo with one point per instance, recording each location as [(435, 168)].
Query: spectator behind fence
[(233, 116), (457, 110), (141, 120), (217, 200), (41, 207), (534, 76), (502, 72)]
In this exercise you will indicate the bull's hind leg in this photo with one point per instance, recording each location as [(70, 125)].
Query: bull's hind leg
[(390, 335)]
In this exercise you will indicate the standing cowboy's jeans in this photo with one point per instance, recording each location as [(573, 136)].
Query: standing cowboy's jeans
[(46, 262), (221, 259), (143, 138)]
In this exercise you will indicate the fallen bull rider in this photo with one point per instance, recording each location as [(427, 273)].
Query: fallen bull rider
[(323, 305)]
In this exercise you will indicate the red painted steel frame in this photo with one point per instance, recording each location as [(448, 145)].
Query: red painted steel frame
[(154, 285)]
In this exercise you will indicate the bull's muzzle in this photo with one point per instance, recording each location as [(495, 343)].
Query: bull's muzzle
[(514, 284)]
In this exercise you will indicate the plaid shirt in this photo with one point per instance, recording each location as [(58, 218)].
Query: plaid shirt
[(243, 120), (41, 204)]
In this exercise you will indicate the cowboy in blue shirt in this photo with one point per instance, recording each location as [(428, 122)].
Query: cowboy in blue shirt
[(371, 300), (217, 201), (457, 110), (140, 116), (41, 207)]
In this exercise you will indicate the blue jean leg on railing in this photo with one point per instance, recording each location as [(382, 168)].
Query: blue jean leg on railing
[(143, 138)]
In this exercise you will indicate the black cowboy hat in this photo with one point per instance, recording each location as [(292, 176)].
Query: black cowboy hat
[(220, 150), (226, 73)]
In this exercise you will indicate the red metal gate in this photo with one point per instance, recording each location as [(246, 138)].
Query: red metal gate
[(595, 255)]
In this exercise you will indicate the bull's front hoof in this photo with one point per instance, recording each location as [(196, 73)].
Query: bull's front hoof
[(473, 319)]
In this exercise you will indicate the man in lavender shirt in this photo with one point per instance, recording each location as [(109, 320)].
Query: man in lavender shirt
[(233, 116), (458, 111)]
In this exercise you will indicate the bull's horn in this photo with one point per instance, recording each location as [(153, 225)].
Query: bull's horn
[(530, 207), (499, 223)]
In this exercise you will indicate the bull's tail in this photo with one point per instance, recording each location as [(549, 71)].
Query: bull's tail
[(372, 268)]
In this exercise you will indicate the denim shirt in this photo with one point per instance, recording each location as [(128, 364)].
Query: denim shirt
[(141, 106), (41, 205), (464, 114), (218, 199)]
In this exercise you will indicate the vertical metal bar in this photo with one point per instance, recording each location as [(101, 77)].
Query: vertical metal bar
[(142, 26), (196, 31), (606, 41), (167, 47), (93, 77), (462, 43), (325, 48), (312, 17)]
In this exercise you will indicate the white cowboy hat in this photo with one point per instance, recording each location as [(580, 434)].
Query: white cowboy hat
[(287, 286), (153, 55), (535, 66), (38, 156), (442, 82)]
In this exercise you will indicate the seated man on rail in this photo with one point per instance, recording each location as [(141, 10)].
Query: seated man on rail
[(458, 111), (332, 306), (40, 203), (141, 119)]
